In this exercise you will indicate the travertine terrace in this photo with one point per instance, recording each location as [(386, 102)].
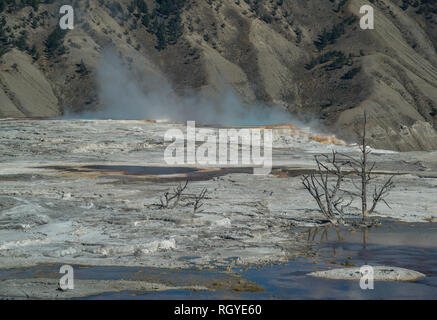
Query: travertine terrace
[(84, 192)]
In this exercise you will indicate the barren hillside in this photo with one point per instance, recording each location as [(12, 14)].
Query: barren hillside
[(307, 56)]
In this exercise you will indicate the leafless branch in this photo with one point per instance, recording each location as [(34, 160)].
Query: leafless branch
[(171, 200), (197, 203), (379, 194), (325, 184)]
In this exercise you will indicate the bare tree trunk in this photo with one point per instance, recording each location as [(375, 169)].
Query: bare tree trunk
[(364, 171)]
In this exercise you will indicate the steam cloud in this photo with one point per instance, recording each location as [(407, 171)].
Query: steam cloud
[(123, 97)]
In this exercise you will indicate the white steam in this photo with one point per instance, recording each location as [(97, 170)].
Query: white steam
[(124, 97)]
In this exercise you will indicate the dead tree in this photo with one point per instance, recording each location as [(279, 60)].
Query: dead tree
[(325, 187), (171, 200), (328, 193), (364, 171), (177, 196)]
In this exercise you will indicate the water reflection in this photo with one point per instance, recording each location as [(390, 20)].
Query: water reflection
[(396, 240), (336, 235)]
